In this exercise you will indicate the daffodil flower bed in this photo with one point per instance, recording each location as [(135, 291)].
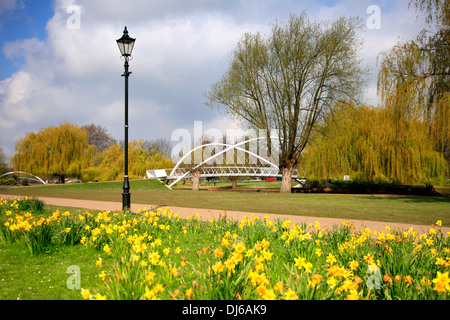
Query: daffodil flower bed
[(159, 255)]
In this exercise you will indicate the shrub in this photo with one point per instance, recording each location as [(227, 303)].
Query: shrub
[(8, 182)]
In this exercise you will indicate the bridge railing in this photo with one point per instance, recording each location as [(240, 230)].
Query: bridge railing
[(228, 171)]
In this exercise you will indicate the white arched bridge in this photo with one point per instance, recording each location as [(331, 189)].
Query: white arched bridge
[(216, 159), (23, 176)]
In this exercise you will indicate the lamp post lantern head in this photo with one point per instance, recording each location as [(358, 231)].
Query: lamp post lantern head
[(126, 44)]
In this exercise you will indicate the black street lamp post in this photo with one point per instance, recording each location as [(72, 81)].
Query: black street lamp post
[(126, 44)]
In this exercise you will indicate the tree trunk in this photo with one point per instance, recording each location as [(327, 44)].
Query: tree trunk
[(62, 179), (234, 182), (286, 178), (196, 179)]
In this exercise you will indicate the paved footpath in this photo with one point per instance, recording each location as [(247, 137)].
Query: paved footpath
[(208, 214)]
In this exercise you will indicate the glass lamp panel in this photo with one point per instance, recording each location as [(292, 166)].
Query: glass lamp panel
[(126, 44)]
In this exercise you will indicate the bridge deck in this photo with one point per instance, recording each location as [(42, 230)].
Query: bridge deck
[(211, 172)]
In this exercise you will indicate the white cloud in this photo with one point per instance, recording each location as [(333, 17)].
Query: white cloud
[(22, 48), (8, 5)]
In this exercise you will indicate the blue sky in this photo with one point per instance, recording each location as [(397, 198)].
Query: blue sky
[(52, 72), (27, 21)]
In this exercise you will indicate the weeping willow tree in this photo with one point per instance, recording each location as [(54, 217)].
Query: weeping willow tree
[(109, 164), (412, 92), (407, 138), (414, 77), (371, 144), (54, 151), (141, 159)]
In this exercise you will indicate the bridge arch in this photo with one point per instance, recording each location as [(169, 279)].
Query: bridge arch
[(273, 168), (23, 175)]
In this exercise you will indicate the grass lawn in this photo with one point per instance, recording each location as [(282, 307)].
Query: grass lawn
[(402, 209), (43, 277)]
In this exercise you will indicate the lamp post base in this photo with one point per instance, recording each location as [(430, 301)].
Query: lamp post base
[(126, 201)]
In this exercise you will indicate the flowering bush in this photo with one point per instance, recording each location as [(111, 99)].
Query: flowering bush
[(159, 255)]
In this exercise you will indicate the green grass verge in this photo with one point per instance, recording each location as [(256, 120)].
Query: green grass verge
[(43, 277), (400, 209)]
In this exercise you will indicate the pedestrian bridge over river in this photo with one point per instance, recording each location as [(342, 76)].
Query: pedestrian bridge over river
[(243, 159)]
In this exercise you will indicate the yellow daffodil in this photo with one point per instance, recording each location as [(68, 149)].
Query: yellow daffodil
[(239, 247), (442, 282), (85, 293), (188, 293), (107, 249), (290, 295), (331, 259), (331, 281), (318, 252), (150, 276), (299, 262), (218, 267), (157, 288), (408, 279), (102, 275), (308, 266), (225, 242), (353, 295), (354, 265), (286, 224), (278, 286), (315, 279), (149, 294)]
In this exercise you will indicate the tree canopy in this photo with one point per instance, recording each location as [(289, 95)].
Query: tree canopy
[(414, 76), (405, 139), (290, 79), (54, 151), (370, 144), (109, 164), (3, 162), (98, 136)]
